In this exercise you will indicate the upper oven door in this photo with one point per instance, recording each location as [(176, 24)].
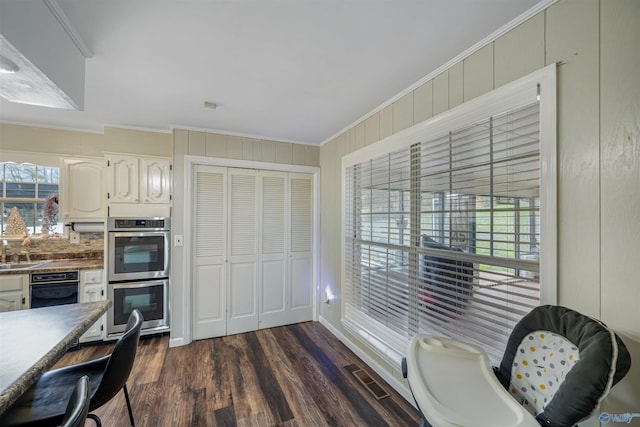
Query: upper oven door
[(138, 255)]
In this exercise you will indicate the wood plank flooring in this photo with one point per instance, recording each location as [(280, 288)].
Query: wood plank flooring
[(296, 375)]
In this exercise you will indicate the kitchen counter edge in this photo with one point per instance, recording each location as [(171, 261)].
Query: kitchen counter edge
[(58, 265)]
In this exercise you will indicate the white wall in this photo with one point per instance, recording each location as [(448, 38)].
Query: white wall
[(595, 44)]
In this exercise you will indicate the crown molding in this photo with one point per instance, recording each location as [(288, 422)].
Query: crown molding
[(57, 11)]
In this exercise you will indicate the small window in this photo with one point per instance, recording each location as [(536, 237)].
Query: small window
[(33, 191)]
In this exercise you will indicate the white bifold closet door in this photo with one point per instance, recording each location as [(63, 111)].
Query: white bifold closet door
[(300, 265), (242, 250), (253, 251), (274, 200), (209, 249)]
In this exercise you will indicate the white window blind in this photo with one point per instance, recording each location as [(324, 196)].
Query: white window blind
[(443, 236)]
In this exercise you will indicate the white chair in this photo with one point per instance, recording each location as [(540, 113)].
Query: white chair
[(557, 367)]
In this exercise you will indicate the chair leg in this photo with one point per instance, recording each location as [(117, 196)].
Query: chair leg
[(96, 419), (126, 397), (425, 423)]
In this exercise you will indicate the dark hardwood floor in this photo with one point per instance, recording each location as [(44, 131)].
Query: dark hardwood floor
[(297, 375)]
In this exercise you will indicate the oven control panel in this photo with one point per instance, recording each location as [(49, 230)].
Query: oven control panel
[(54, 277), (135, 224)]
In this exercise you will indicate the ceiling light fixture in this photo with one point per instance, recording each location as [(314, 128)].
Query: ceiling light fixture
[(210, 105)]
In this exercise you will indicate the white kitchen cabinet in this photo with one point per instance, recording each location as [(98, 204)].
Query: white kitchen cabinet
[(124, 175), (139, 184), (14, 292), (155, 180), (92, 288), (83, 190)]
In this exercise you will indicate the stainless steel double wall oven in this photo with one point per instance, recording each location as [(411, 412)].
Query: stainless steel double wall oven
[(138, 272)]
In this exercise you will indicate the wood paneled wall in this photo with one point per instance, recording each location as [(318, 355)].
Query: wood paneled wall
[(59, 142), (594, 43), (241, 148)]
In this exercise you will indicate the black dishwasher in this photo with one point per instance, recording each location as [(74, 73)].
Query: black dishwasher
[(55, 288)]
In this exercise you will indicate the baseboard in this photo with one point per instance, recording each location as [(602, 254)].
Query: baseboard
[(177, 342), (398, 386)]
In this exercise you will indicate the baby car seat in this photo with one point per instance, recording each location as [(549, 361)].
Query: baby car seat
[(561, 364)]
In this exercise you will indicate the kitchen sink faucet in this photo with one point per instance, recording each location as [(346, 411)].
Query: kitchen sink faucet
[(4, 250)]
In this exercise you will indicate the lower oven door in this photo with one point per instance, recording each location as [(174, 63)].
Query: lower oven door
[(149, 297)]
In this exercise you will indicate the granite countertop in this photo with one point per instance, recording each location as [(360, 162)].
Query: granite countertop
[(44, 266), (34, 340)]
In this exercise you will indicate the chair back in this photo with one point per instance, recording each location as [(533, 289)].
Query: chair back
[(78, 406), (560, 364), (120, 363)]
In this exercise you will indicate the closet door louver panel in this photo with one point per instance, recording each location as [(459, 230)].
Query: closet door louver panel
[(243, 214), (301, 213), (210, 218), (273, 213)]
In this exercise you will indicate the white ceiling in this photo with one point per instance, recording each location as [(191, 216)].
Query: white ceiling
[(288, 70)]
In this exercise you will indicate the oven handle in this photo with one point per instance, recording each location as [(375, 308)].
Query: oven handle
[(139, 284), (139, 233)]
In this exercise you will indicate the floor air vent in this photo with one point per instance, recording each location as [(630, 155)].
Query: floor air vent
[(370, 384)]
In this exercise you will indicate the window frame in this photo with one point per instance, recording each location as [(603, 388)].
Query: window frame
[(539, 85), (37, 161)]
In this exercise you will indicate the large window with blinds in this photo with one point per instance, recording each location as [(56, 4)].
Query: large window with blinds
[(444, 235)]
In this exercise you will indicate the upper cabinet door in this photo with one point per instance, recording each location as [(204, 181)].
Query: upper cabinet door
[(82, 192), (156, 180), (123, 179)]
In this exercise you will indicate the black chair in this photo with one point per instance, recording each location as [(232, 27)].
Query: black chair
[(44, 403), (78, 406), (447, 283)]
